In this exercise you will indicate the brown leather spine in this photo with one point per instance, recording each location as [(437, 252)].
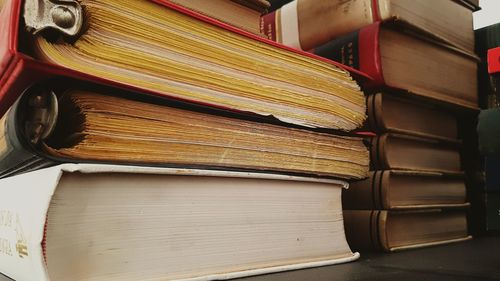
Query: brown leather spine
[(361, 227), (388, 113), (361, 195), (403, 152)]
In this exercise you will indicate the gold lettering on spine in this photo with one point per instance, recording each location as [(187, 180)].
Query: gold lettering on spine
[(21, 244), (5, 248), (11, 221), (6, 218)]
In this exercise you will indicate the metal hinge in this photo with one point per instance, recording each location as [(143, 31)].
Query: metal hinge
[(42, 115), (65, 16)]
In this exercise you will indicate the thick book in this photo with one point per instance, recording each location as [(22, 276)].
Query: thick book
[(400, 189), (402, 152), (47, 126), (163, 49), (307, 24), (89, 222), (401, 230), (400, 59), (390, 113), (243, 14)]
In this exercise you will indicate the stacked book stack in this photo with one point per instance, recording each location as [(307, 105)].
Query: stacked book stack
[(147, 140), (420, 56)]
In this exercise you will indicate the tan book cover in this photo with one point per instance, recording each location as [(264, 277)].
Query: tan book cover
[(389, 113), (400, 230), (402, 152), (400, 189)]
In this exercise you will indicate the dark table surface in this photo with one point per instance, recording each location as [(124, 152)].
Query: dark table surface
[(478, 259)]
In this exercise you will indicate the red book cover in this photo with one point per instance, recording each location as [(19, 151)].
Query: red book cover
[(359, 50), (18, 70), (494, 60), (362, 50)]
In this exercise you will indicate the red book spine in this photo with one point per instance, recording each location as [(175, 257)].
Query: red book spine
[(9, 25), (494, 60), (268, 26), (359, 50)]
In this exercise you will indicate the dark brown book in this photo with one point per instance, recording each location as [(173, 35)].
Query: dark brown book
[(399, 230), (399, 189), (388, 113), (401, 152)]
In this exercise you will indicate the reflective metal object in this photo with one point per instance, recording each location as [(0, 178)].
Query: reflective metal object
[(42, 116), (65, 16)]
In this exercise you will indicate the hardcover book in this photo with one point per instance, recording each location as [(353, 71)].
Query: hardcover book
[(400, 189), (48, 126), (390, 113), (400, 59), (163, 49), (400, 230), (102, 222), (307, 24), (243, 13), (403, 152)]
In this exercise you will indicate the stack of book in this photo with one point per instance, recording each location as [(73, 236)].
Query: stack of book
[(420, 55), (144, 140)]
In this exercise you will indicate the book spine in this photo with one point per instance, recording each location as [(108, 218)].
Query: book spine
[(494, 60), (374, 111), (15, 156), (314, 23), (378, 157), (24, 204), (364, 229), (9, 25), (366, 194), (359, 50), (268, 26)]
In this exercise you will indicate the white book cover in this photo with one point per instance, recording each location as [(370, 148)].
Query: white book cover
[(25, 201)]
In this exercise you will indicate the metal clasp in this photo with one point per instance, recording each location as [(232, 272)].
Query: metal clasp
[(42, 115), (65, 16)]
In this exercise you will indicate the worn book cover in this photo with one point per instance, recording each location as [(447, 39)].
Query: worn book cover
[(163, 49), (62, 122)]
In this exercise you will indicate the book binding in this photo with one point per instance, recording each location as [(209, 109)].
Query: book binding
[(18, 70), (22, 226), (494, 60)]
